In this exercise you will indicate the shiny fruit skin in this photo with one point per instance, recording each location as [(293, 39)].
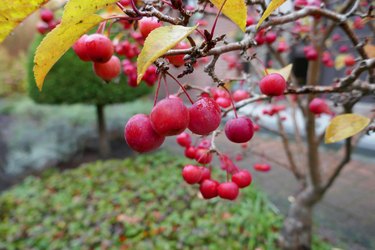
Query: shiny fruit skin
[(148, 24), (108, 70), (140, 135), (228, 190), (239, 130), (205, 116), (273, 84), (99, 48), (208, 189), (242, 178)]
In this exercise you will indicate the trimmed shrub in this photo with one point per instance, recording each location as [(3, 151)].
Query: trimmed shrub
[(73, 81)]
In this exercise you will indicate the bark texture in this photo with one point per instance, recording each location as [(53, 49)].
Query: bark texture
[(104, 148)]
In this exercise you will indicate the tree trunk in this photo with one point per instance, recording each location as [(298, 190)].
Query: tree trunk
[(104, 148), (297, 230)]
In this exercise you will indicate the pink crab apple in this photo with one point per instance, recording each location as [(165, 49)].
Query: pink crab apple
[(209, 188), (318, 106), (228, 190), (282, 47), (240, 95), (169, 117), (140, 135), (270, 37), (272, 85), (184, 139), (42, 28), (239, 130), (242, 178), (99, 48), (108, 70), (178, 60), (223, 102), (148, 24), (203, 156), (205, 116), (191, 174), (250, 21)]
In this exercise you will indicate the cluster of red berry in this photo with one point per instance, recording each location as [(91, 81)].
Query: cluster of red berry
[(47, 22)]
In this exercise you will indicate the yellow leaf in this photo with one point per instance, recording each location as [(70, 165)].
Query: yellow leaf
[(345, 126), (13, 12), (274, 4), (158, 42), (235, 10), (340, 61), (285, 72), (370, 50), (57, 42), (77, 19), (77, 9)]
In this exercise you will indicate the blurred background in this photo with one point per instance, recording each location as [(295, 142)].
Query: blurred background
[(69, 181)]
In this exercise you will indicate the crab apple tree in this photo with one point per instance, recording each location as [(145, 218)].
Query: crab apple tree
[(151, 38)]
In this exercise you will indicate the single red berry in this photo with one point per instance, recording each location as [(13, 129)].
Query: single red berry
[(184, 139), (228, 190), (242, 178), (99, 48), (270, 37), (319, 106), (148, 24), (206, 174), (250, 21), (203, 156), (262, 167), (311, 54), (349, 60), (273, 84), (140, 135), (223, 102), (205, 143), (178, 60), (205, 116), (46, 15), (239, 130), (108, 70), (42, 27), (190, 152), (240, 95), (191, 174), (208, 189), (169, 117)]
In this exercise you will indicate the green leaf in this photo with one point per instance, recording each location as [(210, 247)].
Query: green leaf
[(235, 10), (158, 42), (77, 19), (271, 7), (13, 12), (345, 126)]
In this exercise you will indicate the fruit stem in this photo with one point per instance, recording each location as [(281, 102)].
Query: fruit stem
[(216, 18), (170, 5), (231, 100), (166, 86), (262, 63), (101, 27), (182, 87), (157, 90), (134, 7), (120, 6)]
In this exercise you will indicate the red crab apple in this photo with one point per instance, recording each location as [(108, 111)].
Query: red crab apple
[(184, 139), (319, 106), (42, 28), (140, 135), (349, 60), (148, 24), (169, 117), (239, 130), (242, 178), (262, 167), (205, 116), (46, 15), (191, 174), (190, 152), (206, 174), (270, 37), (228, 190), (240, 95), (203, 156), (178, 60), (99, 48), (223, 102), (80, 48), (108, 70), (208, 189), (273, 84)]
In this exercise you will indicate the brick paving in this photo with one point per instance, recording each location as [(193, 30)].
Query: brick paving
[(346, 213)]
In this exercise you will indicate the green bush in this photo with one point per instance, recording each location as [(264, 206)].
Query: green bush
[(138, 203), (73, 81)]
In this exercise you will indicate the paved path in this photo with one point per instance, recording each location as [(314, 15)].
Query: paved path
[(347, 211)]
